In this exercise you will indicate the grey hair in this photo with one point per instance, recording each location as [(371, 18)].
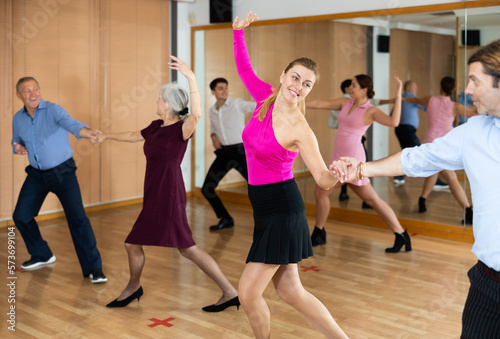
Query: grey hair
[(23, 80), (176, 97)]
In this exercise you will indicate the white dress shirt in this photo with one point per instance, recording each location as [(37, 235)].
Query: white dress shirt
[(227, 122), (474, 147)]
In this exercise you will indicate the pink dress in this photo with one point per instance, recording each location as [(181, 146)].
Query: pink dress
[(350, 131), (439, 117)]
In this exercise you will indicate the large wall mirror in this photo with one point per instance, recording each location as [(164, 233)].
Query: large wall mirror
[(425, 44)]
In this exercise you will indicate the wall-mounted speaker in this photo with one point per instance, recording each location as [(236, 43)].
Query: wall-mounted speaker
[(383, 43), (473, 37), (221, 11)]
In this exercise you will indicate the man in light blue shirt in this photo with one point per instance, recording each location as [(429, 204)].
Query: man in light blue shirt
[(474, 147), (40, 130)]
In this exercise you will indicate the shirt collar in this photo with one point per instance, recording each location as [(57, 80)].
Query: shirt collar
[(226, 103), (41, 105), (407, 94), (496, 120)]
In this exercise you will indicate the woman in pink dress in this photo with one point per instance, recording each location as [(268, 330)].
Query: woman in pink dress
[(355, 117), (163, 220), (441, 113), (275, 134)]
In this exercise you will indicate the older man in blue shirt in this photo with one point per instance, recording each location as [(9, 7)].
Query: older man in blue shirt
[(40, 130), (406, 132), (474, 147)]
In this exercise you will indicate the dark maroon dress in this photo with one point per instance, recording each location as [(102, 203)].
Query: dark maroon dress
[(163, 220)]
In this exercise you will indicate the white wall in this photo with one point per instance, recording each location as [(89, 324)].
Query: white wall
[(184, 53), (279, 9), (380, 133)]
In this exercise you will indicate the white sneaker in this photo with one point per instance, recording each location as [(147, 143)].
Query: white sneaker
[(440, 187), (399, 181), (34, 264)]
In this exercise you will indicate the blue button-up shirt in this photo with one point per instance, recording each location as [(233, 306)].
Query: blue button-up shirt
[(474, 147), (409, 112), (45, 137)]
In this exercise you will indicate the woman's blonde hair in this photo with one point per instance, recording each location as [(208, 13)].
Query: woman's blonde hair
[(307, 63)]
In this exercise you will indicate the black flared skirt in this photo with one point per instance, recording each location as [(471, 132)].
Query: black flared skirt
[(281, 232)]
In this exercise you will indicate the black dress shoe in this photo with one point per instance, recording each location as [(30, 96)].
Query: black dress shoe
[(122, 303), (468, 216), (421, 205), (223, 223), (343, 196), (221, 307)]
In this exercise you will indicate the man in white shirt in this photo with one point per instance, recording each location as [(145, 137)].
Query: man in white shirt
[(474, 147), (227, 120)]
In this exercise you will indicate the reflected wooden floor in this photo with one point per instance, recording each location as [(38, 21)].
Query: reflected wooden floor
[(371, 294), (442, 208)]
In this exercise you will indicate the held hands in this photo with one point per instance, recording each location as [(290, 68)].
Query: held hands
[(20, 149), (237, 24), (344, 169), (100, 138), (179, 65), (94, 137)]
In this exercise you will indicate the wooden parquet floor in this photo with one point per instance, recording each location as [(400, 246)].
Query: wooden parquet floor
[(371, 294)]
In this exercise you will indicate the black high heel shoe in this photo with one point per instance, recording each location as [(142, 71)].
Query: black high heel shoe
[(401, 239), (318, 236), (122, 303), (217, 308)]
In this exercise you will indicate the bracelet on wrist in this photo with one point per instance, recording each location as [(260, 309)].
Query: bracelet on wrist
[(360, 175)]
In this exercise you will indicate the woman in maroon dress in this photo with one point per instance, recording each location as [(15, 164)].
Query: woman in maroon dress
[(163, 220)]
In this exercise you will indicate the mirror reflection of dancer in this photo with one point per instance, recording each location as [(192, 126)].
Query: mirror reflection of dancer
[(356, 116), (344, 87), (273, 137), (441, 113), (163, 220), (227, 120), (473, 147)]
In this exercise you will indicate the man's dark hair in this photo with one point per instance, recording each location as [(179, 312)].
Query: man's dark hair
[(489, 57), (448, 85), (24, 79), (214, 83), (344, 84)]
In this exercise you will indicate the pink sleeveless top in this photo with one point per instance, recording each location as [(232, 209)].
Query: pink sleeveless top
[(268, 162), (439, 117)]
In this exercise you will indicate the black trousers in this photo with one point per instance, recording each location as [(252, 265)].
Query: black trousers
[(60, 180), (481, 316), (407, 136), (227, 158)]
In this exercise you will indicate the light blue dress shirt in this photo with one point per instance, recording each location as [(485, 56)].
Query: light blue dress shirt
[(474, 147), (409, 112), (45, 137)]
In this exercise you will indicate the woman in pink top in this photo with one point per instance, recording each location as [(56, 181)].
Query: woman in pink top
[(356, 115), (273, 137), (441, 113)]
